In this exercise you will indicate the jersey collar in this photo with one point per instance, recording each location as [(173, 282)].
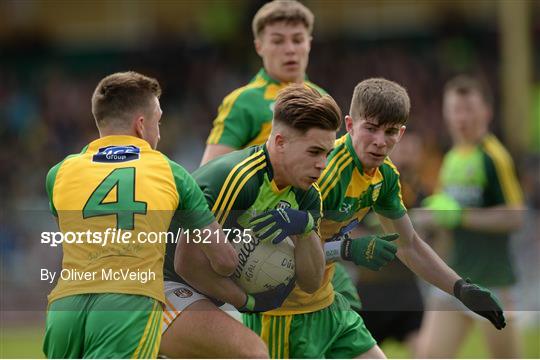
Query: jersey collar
[(118, 140), (269, 168), (270, 173), (264, 75), (352, 152)]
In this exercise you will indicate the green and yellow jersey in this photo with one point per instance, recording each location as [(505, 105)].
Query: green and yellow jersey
[(240, 185), (245, 115), (348, 194), (120, 183), (478, 177)]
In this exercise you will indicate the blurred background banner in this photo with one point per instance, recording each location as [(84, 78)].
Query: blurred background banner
[(53, 53)]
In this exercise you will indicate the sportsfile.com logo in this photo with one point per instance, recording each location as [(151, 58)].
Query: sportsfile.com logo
[(116, 154)]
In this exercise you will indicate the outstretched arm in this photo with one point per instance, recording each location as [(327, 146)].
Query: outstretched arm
[(421, 259), (418, 256)]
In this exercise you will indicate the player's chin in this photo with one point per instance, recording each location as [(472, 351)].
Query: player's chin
[(307, 182)]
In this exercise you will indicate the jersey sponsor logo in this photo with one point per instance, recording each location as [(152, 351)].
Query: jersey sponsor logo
[(117, 154), (345, 208), (376, 191), (183, 292)]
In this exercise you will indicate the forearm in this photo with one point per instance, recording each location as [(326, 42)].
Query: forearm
[(221, 254), (309, 262), (424, 262), (492, 220), (213, 151), (194, 267)]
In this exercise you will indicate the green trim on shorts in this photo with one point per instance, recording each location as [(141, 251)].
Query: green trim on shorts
[(103, 326), (334, 332), (343, 284)]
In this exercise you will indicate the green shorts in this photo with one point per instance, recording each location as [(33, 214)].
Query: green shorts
[(103, 326), (343, 284), (333, 332)]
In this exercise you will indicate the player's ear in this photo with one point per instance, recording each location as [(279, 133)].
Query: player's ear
[(258, 45), (401, 132), (138, 125), (279, 142), (348, 123)]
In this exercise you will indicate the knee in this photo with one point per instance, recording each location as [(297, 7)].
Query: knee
[(254, 349)]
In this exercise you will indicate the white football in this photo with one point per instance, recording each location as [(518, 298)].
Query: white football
[(263, 266)]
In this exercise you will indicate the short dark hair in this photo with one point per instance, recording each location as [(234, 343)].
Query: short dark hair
[(382, 99), (302, 108), (288, 11), (118, 95), (466, 85)]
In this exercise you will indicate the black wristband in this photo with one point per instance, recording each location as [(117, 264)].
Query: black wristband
[(457, 287)]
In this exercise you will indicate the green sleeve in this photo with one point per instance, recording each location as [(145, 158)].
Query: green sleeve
[(311, 201), (234, 122), (389, 202), (192, 211), (49, 186)]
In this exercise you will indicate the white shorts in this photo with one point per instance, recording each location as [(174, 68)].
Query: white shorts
[(179, 296)]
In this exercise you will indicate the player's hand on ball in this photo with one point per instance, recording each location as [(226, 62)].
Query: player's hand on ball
[(481, 301), (268, 300), (275, 225), (371, 251)]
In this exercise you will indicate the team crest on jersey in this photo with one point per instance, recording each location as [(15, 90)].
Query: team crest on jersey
[(282, 204), (183, 292), (376, 191), (117, 154)]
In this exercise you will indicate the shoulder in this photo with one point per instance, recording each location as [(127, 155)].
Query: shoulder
[(247, 93), (234, 164), (389, 170), (316, 87), (496, 152), (178, 171), (53, 171)]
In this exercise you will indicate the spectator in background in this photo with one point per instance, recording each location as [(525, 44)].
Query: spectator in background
[(481, 202)]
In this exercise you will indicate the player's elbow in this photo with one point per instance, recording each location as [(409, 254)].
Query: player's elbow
[(225, 264), (310, 283)]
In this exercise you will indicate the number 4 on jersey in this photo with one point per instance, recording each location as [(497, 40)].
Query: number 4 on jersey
[(125, 207)]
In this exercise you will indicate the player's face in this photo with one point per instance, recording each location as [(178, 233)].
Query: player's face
[(284, 49), (304, 156), (371, 141), (467, 116), (151, 124)]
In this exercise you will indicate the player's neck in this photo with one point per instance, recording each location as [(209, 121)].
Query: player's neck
[(110, 132), (279, 174), (298, 80), (369, 171), (472, 141)]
